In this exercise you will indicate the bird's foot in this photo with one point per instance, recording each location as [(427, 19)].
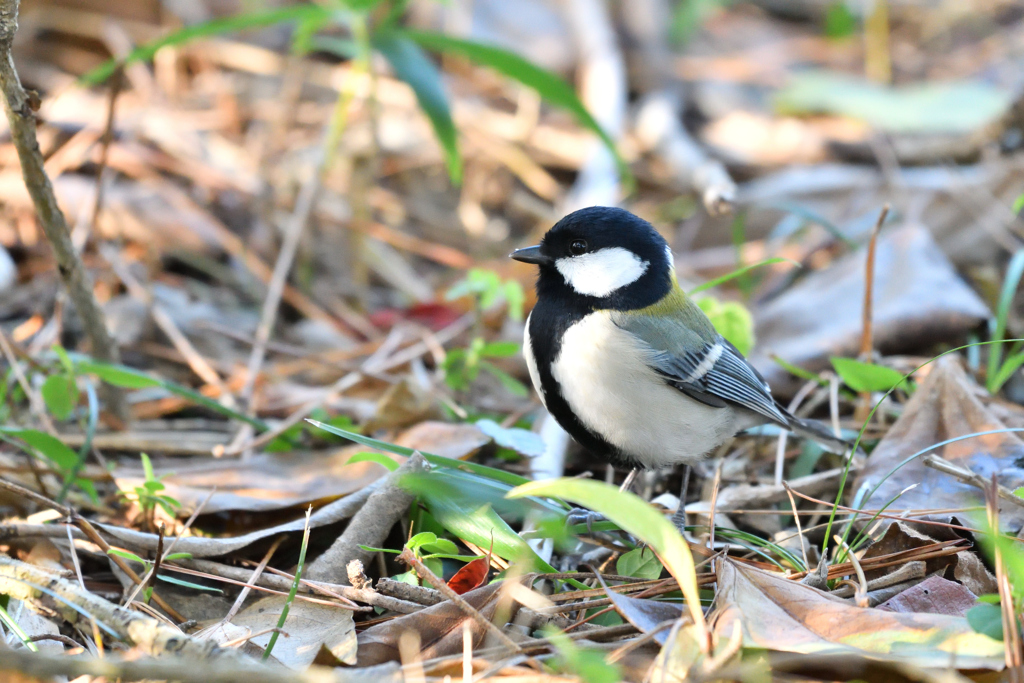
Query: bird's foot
[(581, 516)]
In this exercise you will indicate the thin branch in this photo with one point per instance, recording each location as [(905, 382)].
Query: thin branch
[(90, 531), (22, 120), (410, 559)]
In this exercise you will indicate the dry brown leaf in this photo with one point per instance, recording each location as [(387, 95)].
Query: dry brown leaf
[(965, 566), (945, 406), (439, 626), (310, 627), (778, 614), (272, 481), (934, 595), (919, 301)]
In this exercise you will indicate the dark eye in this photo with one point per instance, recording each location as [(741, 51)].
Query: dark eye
[(578, 247)]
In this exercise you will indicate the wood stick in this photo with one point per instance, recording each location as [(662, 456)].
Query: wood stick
[(20, 110)]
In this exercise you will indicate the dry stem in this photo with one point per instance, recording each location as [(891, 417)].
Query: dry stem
[(409, 558), (22, 120)]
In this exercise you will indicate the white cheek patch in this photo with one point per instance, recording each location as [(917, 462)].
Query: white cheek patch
[(601, 272)]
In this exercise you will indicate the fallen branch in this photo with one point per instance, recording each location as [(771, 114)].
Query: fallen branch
[(184, 670), (90, 531), (370, 526), (409, 558), (30, 583), (22, 120), (970, 478)]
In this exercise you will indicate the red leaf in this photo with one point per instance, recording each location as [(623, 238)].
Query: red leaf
[(472, 575)]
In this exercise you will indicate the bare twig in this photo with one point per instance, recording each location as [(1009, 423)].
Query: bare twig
[(182, 668), (369, 527), (90, 531), (867, 344), (968, 477), (410, 559), (240, 577), (22, 120), (116, 84)]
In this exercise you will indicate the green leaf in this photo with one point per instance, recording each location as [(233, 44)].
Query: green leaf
[(589, 665), (129, 378), (633, 515), (1014, 272), (950, 107), (861, 376), (177, 556), (50, 446), (797, 371), (147, 468), (520, 440), (482, 470), (732, 320), (500, 349), (378, 458), (414, 67), (515, 298), (126, 555), (548, 85), (511, 384), (840, 22), (188, 584), (639, 562), (466, 513), (739, 272), (238, 22), (408, 577), (1018, 204), (419, 539), (441, 546), (987, 620), (60, 393)]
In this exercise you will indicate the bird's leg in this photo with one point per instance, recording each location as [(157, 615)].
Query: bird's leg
[(588, 517), (679, 518)]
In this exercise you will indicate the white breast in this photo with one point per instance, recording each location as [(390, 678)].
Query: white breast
[(531, 362), (604, 378)]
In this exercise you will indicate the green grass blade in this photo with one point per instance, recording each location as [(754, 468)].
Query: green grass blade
[(867, 421), (13, 626), (548, 85), (293, 590), (1014, 271), (130, 378), (739, 272), (635, 516), (482, 470), (412, 65), (215, 27)]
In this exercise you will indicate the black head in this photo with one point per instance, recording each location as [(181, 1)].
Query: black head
[(602, 257)]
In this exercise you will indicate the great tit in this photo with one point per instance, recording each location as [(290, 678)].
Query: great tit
[(625, 361)]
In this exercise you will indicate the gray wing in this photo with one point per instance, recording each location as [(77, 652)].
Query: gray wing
[(706, 367)]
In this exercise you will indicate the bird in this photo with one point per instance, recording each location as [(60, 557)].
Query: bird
[(625, 361)]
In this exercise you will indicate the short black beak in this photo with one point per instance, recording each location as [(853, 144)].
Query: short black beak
[(530, 255)]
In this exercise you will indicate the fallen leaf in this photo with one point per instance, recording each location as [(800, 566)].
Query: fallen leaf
[(779, 614), (520, 440), (944, 406), (934, 595), (920, 301), (310, 627), (273, 481), (932, 107), (439, 627), (646, 615), (965, 566), (471, 575)]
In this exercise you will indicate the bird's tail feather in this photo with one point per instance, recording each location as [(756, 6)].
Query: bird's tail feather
[(816, 431)]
